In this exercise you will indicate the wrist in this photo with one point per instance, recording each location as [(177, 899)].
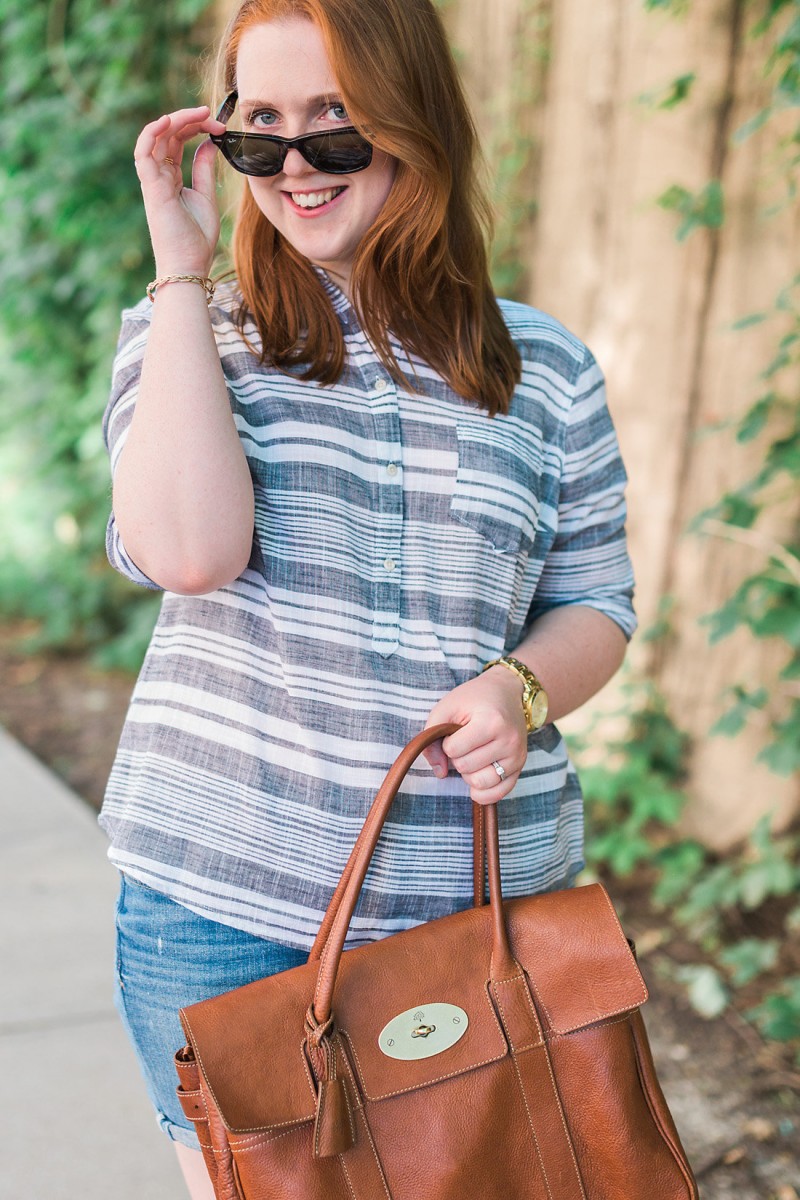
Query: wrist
[(173, 281), (182, 264), (533, 696)]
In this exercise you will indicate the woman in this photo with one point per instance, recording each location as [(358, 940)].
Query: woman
[(359, 479)]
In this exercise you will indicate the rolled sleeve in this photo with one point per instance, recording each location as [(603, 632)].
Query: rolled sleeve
[(588, 562), (126, 375)]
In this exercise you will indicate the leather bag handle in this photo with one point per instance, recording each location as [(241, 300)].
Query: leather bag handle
[(340, 910), (478, 872)]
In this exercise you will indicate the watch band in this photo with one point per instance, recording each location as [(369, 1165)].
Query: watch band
[(532, 690)]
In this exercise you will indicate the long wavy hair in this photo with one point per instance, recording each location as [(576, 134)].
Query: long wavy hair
[(421, 269)]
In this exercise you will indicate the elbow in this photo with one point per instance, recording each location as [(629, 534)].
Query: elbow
[(200, 578), (194, 575)]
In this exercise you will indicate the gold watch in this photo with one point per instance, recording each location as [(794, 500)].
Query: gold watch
[(534, 697)]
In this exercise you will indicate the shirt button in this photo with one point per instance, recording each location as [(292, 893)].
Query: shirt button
[(381, 385), (392, 469), (389, 564)]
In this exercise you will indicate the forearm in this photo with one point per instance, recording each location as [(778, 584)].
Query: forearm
[(573, 650), (183, 495)]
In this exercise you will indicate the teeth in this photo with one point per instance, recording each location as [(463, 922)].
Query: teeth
[(315, 199)]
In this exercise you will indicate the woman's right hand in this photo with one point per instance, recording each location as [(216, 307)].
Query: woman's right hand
[(184, 222)]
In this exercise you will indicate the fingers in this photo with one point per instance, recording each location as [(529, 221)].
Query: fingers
[(493, 795), (476, 767), (166, 137)]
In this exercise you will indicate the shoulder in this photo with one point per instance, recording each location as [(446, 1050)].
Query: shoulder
[(544, 343)]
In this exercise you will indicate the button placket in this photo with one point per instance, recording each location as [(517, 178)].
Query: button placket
[(387, 592)]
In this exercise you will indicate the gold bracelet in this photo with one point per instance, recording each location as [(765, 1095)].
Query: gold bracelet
[(534, 697), (206, 283)]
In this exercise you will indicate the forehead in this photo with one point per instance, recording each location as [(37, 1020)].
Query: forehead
[(283, 62)]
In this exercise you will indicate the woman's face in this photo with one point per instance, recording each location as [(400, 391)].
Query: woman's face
[(286, 86)]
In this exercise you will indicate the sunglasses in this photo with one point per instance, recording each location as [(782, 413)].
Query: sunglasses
[(338, 152)]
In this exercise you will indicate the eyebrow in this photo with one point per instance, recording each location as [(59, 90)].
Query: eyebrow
[(313, 102)]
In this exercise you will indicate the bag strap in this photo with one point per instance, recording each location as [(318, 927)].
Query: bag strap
[(340, 910), (478, 871)]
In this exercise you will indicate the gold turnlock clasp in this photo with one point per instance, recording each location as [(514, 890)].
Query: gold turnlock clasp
[(408, 1035)]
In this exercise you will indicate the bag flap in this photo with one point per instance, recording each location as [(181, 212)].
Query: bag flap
[(249, 1042)]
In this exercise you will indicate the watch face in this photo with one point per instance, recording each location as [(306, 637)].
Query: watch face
[(539, 709)]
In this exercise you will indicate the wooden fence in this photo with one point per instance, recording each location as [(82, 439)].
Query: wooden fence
[(559, 89)]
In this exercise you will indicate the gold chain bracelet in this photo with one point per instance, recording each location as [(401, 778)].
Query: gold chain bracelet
[(206, 284)]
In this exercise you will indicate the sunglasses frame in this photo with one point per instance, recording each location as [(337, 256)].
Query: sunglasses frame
[(221, 140)]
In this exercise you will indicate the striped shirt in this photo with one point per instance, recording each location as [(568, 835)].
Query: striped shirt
[(401, 541)]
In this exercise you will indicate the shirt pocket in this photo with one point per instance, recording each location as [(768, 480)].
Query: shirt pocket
[(498, 482)]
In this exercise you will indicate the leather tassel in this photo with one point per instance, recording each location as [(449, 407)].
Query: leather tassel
[(333, 1125)]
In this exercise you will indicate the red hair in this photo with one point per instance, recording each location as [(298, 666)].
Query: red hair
[(421, 270)]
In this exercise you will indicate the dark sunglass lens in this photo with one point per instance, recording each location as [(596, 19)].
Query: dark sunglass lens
[(253, 155), (339, 153)]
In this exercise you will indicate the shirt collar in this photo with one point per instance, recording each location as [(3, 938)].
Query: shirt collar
[(339, 300)]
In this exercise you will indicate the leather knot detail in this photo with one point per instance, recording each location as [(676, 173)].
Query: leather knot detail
[(316, 1032)]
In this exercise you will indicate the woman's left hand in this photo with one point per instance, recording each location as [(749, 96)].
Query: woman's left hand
[(489, 709)]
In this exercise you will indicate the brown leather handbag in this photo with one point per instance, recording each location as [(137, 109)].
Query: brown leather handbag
[(497, 1053)]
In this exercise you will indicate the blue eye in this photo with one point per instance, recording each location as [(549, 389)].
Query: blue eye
[(339, 111), (269, 118)]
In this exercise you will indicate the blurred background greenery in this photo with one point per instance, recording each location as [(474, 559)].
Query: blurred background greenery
[(80, 78)]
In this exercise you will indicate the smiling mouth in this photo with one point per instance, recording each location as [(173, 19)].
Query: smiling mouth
[(319, 199)]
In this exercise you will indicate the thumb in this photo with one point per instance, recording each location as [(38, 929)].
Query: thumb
[(204, 178), (437, 759)]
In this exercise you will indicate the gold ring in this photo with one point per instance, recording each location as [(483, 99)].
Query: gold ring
[(171, 161)]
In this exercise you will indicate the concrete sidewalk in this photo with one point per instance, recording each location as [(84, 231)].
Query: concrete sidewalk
[(77, 1124)]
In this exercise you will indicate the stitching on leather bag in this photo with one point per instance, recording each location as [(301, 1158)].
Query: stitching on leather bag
[(346, 1173), (557, 1095), (368, 1130), (530, 1124), (665, 1134), (616, 1011), (349, 1105), (626, 1008), (263, 1139), (309, 1076), (628, 950), (450, 1074), (545, 1051), (254, 1128), (560, 1037), (535, 1015)]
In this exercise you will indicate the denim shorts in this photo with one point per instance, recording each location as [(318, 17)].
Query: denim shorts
[(169, 957)]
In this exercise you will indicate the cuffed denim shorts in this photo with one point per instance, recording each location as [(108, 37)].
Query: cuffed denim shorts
[(169, 957)]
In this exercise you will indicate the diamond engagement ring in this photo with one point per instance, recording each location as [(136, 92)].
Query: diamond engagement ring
[(500, 770)]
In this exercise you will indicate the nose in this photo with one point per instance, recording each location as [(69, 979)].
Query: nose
[(295, 164)]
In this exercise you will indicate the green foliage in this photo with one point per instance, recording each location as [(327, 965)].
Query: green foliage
[(628, 805), (673, 94), (79, 82), (707, 992), (767, 603), (778, 1016), (747, 959), (699, 210), (633, 806), (675, 8)]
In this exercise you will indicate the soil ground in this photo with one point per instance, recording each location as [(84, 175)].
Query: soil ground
[(735, 1098)]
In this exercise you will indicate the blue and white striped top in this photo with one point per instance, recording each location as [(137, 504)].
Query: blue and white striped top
[(401, 541)]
